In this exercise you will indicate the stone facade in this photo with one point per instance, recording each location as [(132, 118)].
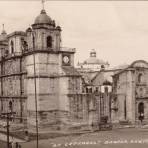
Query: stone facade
[(130, 93), (38, 77), (37, 74)]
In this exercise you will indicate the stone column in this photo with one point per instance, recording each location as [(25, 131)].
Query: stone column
[(121, 100), (130, 97)]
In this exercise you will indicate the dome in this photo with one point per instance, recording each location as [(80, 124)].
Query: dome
[(94, 60), (43, 18)]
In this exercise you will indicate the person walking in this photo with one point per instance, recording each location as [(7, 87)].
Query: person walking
[(16, 145), (12, 143)]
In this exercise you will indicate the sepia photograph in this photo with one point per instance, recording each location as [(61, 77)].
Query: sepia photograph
[(73, 74)]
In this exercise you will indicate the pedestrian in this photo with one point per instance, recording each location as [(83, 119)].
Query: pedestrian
[(17, 145), (142, 117), (12, 145)]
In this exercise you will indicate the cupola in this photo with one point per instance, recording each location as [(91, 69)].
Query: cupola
[(3, 35)]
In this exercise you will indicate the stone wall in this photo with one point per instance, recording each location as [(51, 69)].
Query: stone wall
[(13, 88), (130, 88)]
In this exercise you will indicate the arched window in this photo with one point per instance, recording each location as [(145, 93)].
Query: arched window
[(24, 46), (106, 89), (141, 92), (87, 90), (141, 108), (140, 78), (10, 105), (90, 90), (49, 41), (12, 46), (97, 90)]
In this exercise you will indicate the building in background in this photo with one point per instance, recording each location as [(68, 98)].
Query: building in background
[(93, 63), (90, 68), (130, 94)]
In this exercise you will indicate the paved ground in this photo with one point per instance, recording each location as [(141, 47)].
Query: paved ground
[(3, 137), (2, 144), (119, 138)]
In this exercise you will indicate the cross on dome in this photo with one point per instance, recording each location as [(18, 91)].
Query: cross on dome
[(3, 29), (43, 4)]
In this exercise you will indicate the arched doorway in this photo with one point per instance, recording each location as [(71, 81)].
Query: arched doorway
[(141, 108), (141, 111), (49, 42)]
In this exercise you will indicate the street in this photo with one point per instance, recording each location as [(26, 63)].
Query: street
[(118, 138), (3, 144)]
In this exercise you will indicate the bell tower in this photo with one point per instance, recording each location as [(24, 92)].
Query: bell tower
[(50, 68), (43, 60), (46, 35)]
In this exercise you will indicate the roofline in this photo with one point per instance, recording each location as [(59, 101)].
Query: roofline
[(108, 70), (22, 33), (105, 63), (126, 69), (138, 61), (130, 67)]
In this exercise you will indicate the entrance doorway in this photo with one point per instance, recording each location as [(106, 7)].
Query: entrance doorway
[(141, 108), (141, 111)]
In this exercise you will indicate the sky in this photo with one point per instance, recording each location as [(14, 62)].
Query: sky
[(117, 30)]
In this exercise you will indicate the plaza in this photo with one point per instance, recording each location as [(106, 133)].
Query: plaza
[(118, 138)]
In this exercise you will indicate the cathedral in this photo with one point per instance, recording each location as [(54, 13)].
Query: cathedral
[(38, 81), (39, 84)]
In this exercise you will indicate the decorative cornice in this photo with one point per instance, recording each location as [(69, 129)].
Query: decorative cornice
[(13, 74), (52, 76), (16, 97), (46, 50), (16, 33)]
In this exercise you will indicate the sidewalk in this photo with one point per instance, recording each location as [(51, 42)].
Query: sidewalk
[(3, 137)]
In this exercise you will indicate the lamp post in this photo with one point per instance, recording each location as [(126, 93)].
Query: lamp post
[(36, 107)]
